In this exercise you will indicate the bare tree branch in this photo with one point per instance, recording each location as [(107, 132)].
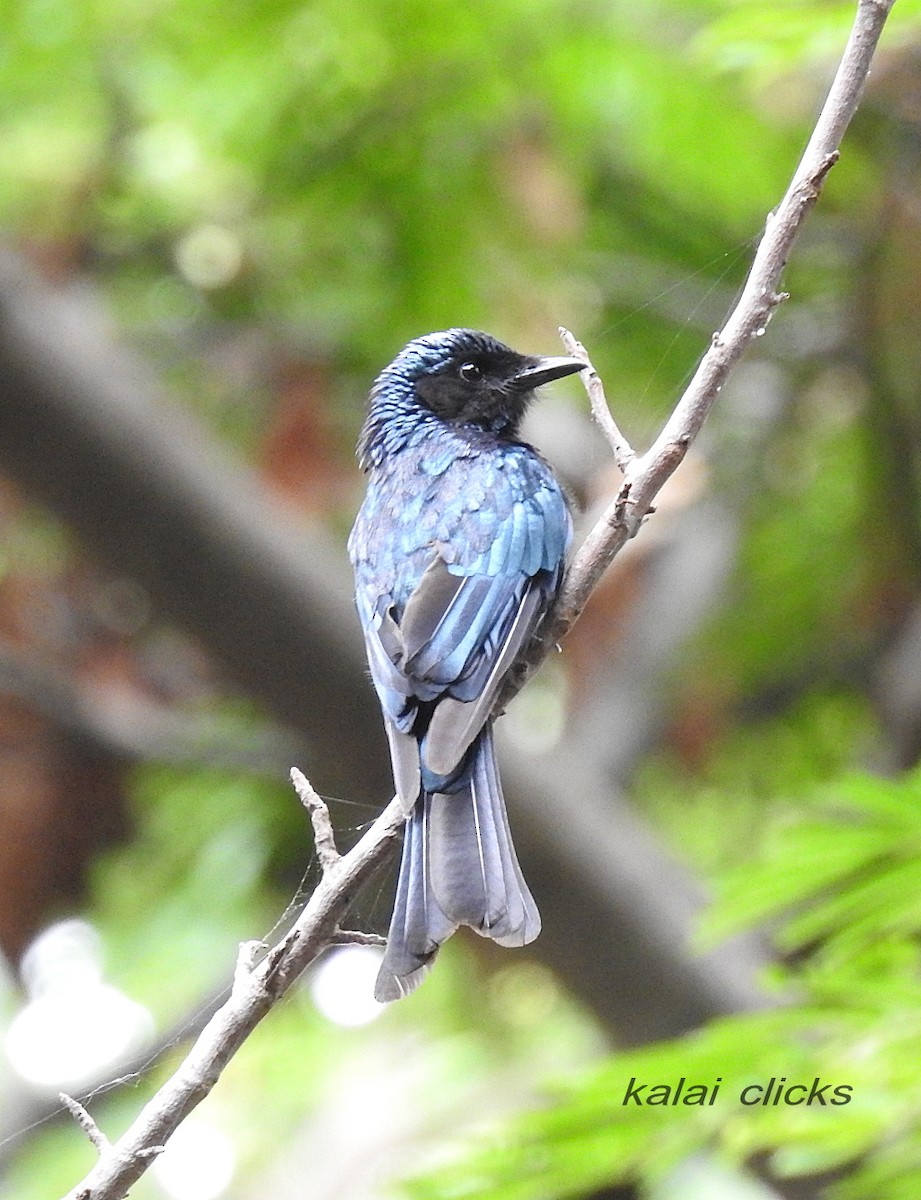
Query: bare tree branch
[(355, 937), (255, 991), (644, 476)]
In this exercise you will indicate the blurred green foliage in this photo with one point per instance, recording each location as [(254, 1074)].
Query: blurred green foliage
[(850, 875), (202, 847), (355, 173)]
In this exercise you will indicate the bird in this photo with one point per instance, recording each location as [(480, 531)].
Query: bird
[(458, 552)]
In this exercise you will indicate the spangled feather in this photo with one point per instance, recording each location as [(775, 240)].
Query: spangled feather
[(455, 724), (531, 564), (518, 537), (459, 633)]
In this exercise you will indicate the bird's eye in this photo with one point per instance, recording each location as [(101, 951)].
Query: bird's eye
[(471, 372)]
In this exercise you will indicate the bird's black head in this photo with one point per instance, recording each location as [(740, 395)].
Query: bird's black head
[(469, 378)]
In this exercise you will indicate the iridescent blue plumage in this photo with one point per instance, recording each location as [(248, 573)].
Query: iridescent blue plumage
[(458, 553)]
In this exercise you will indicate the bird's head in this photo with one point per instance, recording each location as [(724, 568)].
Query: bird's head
[(466, 377)]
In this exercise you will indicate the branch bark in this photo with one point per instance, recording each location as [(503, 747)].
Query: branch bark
[(257, 989)]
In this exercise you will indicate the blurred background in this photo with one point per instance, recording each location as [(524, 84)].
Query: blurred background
[(219, 221)]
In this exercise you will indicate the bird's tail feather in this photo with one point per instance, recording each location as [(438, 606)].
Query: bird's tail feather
[(459, 867)]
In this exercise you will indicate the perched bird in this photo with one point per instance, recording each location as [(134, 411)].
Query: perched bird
[(458, 555)]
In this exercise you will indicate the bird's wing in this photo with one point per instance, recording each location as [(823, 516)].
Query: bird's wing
[(395, 691), (455, 723), (449, 600), (458, 637), (466, 622)]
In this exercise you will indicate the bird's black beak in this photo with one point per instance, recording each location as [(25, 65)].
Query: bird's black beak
[(544, 370)]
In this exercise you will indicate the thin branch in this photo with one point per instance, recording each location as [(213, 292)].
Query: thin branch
[(624, 454), (356, 937), (249, 955), (323, 836), (86, 1122), (254, 994), (256, 990)]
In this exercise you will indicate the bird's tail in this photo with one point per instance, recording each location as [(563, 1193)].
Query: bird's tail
[(459, 867)]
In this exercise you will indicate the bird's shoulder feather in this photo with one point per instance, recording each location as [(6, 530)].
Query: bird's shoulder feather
[(457, 557), (488, 511)]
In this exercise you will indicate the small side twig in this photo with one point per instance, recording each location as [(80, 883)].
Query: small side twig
[(253, 996), (356, 937), (323, 835), (623, 452), (646, 474), (247, 958), (86, 1122)]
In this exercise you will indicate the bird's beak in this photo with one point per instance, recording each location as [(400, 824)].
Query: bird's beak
[(544, 370)]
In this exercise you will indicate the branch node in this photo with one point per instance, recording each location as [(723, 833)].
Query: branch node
[(617, 515), (828, 161), (323, 836), (246, 961), (86, 1122), (149, 1152), (276, 963), (355, 937)]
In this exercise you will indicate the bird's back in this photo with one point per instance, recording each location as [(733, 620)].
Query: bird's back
[(486, 505)]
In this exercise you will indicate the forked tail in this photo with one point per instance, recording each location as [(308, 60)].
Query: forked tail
[(459, 867)]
